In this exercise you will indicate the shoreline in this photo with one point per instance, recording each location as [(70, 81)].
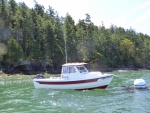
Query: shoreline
[(125, 69), (3, 74)]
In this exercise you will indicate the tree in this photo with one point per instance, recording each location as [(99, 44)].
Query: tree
[(4, 11), (35, 51), (88, 18), (40, 35), (38, 32), (70, 38), (127, 49), (86, 38), (25, 30), (40, 9), (58, 54), (3, 50), (82, 51), (14, 53), (13, 12), (3, 7)]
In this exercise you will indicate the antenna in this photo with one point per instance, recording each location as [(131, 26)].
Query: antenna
[(65, 39), (66, 50)]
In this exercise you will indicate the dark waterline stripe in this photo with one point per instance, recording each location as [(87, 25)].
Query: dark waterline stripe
[(140, 85), (68, 82)]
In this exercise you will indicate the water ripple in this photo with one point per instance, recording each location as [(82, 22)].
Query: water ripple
[(20, 96)]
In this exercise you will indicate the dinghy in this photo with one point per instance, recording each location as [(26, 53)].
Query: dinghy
[(140, 83)]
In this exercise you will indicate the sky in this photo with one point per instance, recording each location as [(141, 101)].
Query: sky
[(128, 14)]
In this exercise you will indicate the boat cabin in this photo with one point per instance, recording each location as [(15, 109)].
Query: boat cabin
[(74, 68)]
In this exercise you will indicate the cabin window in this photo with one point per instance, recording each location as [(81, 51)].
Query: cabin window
[(81, 69), (64, 70), (69, 69)]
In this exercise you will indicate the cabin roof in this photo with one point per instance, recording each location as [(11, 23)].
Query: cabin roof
[(74, 64)]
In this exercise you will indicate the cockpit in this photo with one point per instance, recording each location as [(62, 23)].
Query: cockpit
[(74, 69)]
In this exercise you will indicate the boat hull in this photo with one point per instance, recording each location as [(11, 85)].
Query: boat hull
[(83, 84), (139, 83)]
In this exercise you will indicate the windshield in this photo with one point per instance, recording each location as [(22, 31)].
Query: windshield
[(82, 69)]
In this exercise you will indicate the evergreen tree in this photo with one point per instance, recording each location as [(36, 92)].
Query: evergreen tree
[(70, 38), (40, 34), (14, 52)]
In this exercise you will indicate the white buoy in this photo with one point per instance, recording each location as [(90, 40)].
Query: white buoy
[(139, 83)]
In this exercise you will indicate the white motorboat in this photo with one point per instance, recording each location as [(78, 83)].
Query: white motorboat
[(74, 76), (140, 83)]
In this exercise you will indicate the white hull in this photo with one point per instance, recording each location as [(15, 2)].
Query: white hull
[(139, 83), (74, 76), (80, 84)]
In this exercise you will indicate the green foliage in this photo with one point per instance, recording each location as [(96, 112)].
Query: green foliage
[(1, 58), (41, 34), (14, 51), (127, 49), (70, 37)]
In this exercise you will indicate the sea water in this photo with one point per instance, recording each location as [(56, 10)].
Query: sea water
[(18, 95)]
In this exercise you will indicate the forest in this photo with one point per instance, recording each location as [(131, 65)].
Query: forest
[(39, 39)]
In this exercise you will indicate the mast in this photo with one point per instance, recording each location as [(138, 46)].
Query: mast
[(66, 50)]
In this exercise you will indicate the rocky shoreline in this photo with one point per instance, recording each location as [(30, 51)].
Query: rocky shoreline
[(52, 70), (32, 68)]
